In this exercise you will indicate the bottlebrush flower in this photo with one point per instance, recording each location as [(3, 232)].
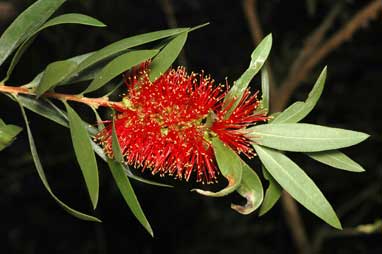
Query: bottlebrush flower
[(166, 125)]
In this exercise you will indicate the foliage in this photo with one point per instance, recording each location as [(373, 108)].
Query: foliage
[(283, 133)]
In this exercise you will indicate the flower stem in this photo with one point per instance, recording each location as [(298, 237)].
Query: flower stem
[(92, 102)]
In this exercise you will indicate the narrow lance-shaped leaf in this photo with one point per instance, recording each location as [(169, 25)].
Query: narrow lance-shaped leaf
[(251, 189), (25, 25), (336, 159), (298, 184), (125, 44), (167, 56), (272, 194), (45, 109), (258, 57), (118, 66), (230, 165), (124, 185), (54, 74), (84, 153), (8, 134), (265, 89), (70, 18), (299, 110), (300, 137), (42, 176)]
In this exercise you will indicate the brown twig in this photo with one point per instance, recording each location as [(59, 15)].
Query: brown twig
[(359, 19), (7, 11), (93, 102), (168, 9), (250, 11)]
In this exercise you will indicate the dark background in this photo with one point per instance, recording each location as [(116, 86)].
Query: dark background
[(184, 222)]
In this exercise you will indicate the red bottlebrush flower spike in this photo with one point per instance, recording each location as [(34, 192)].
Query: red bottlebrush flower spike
[(164, 126)]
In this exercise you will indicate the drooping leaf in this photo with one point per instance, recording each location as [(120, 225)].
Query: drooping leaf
[(54, 74), (118, 66), (42, 108), (42, 176), (336, 159), (299, 110), (272, 194), (84, 153), (230, 165), (301, 137), (265, 88), (167, 56), (123, 45), (8, 134), (251, 189), (45, 109), (70, 18), (25, 25), (258, 57), (297, 183), (124, 185)]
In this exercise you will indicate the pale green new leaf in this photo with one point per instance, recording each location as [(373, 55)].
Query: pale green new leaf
[(42, 176), (124, 185), (336, 159), (265, 89), (297, 183), (230, 165), (251, 189), (118, 66), (8, 134), (167, 56), (258, 58), (301, 137), (299, 110), (24, 26), (84, 154), (272, 194)]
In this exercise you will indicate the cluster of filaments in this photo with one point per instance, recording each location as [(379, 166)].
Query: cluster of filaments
[(164, 126)]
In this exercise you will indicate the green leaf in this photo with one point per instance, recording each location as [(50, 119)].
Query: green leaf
[(336, 159), (64, 76), (258, 57), (301, 137), (25, 25), (8, 134), (84, 153), (124, 44), (54, 74), (265, 88), (299, 110), (124, 185), (230, 165), (272, 194), (251, 189), (43, 108), (167, 56), (42, 176), (71, 18), (118, 66), (297, 183)]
